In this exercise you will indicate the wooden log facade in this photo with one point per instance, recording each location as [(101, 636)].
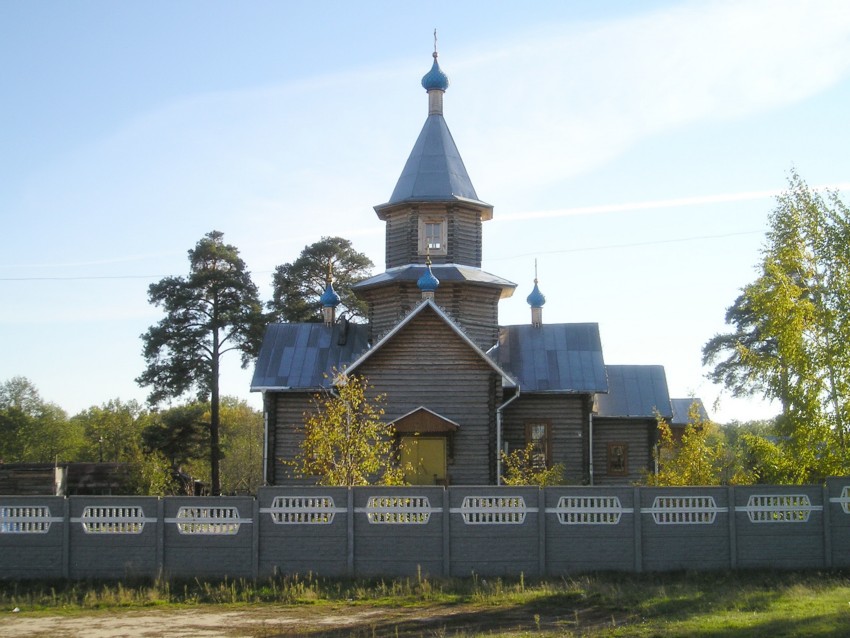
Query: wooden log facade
[(566, 417), (450, 380), (473, 306), (622, 450), (463, 234)]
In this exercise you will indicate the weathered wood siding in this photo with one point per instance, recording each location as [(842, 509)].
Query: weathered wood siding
[(638, 434), (474, 307), (463, 235), (286, 433), (567, 414), (428, 364)]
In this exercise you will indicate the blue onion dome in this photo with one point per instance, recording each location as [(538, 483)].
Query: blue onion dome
[(329, 298), (536, 298), (435, 79), (428, 282)]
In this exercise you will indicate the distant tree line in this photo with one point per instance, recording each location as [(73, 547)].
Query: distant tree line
[(161, 447)]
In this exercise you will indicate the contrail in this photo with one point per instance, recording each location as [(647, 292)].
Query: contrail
[(699, 200)]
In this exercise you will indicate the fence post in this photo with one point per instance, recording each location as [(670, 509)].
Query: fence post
[(637, 527), (350, 530), (827, 529), (160, 537), (541, 531), (255, 540), (66, 538), (447, 531), (733, 528)]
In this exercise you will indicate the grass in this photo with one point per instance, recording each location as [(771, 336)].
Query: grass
[(715, 604)]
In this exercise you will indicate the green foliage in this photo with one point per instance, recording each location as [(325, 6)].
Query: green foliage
[(791, 327), (346, 442), (298, 286), (179, 434), (112, 431), (215, 310), (700, 457), (33, 430), (242, 442), (771, 462), (152, 445), (524, 467)]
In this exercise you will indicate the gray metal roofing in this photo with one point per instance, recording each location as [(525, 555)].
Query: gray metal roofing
[(298, 355), (682, 408), (635, 391), (434, 170), (561, 357), (443, 272)]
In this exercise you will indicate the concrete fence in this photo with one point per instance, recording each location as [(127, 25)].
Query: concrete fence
[(453, 531)]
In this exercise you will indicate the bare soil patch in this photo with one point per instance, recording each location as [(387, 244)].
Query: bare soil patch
[(320, 621)]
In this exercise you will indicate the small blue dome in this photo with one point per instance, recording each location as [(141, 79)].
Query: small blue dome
[(435, 78), (428, 282), (536, 298), (329, 298)]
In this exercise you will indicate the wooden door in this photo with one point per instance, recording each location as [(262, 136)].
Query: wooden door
[(423, 460)]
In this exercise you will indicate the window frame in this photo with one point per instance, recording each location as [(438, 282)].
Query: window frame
[(424, 245), (610, 467), (547, 438)]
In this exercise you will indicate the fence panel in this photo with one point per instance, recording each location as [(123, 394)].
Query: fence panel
[(494, 531), (113, 536), (779, 526), (209, 536), (685, 528), (303, 530), (32, 536), (589, 529), (398, 531)]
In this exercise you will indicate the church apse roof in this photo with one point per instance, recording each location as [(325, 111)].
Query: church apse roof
[(560, 357), (682, 408), (635, 391)]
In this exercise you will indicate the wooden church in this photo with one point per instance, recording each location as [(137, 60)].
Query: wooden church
[(459, 387)]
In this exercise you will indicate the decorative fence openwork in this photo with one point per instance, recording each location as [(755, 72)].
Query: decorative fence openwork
[(439, 531)]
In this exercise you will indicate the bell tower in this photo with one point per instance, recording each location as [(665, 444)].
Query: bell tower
[(434, 217)]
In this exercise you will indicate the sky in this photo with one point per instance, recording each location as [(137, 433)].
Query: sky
[(632, 150)]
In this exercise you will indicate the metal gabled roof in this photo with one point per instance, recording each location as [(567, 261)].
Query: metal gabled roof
[(446, 273), (434, 170), (681, 411), (560, 357), (429, 304), (298, 355), (635, 391)]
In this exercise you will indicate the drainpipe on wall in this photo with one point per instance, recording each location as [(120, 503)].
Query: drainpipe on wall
[(590, 444), (265, 440), (499, 435)]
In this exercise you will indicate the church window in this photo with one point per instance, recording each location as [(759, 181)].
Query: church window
[(432, 236), (537, 434), (618, 459)]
